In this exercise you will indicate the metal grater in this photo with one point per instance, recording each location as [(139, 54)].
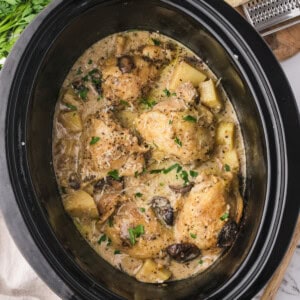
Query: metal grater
[(273, 15)]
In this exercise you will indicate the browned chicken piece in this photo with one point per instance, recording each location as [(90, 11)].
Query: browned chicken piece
[(106, 146), (204, 213), (176, 131), (155, 237), (125, 78), (154, 53), (187, 93)]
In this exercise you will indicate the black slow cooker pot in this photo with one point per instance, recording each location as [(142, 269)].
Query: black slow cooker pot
[(29, 86)]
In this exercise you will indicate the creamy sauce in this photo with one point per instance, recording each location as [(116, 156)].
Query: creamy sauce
[(133, 125)]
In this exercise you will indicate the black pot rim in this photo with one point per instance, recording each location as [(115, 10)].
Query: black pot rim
[(284, 123)]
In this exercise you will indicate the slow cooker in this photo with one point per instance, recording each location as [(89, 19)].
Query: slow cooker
[(251, 76)]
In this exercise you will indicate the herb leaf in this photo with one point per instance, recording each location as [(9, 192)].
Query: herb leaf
[(227, 168), (189, 118), (157, 171), (194, 173), (94, 140), (135, 233), (167, 92), (193, 235), (142, 209), (14, 17), (178, 141), (70, 106), (116, 252), (168, 170), (102, 239), (156, 42), (83, 92), (148, 103), (139, 195), (185, 176), (224, 217), (124, 103), (114, 174)]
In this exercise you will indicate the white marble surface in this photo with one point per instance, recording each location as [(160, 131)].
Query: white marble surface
[(290, 287), (24, 284)]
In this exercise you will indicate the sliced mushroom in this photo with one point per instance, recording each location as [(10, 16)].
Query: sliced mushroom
[(163, 209), (183, 252), (181, 189), (108, 182), (74, 181), (228, 234), (126, 64)]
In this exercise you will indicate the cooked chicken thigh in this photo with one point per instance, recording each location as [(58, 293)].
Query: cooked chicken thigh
[(200, 220), (149, 244), (175, 130), (106, 146)]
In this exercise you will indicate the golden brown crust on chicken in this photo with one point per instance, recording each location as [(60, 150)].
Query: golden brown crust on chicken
[(116, 149), (156, 236), (199, 222)]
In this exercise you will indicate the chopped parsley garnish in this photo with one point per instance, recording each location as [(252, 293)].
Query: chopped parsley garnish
[(156, 42), (79, 71), (194, 173), (189, 118), (193, 235), (142, 209), (70, 106), (157, 171), (102, 239), (167, 92), (178, 141), (117, 252), (99, 98), (227, 168), (135, 233), (201, 262), (185, 176), (108, 242), (224, 217), (148, 103), (138, 195), (94, 140), (124, 103), (170, 122), (83, 92), (161, 184), (85, 78), (110, 222), (179, 168), (168, 170), (90, 61), (114, 174)]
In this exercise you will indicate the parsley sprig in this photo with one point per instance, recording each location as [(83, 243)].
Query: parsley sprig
[(15, 15), (135, 233)]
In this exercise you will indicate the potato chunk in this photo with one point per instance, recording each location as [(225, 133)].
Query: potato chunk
[(71, 121), (225, 134), (231, 159), (209, 95), (80, 204), (150, 272), (184, 72)]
